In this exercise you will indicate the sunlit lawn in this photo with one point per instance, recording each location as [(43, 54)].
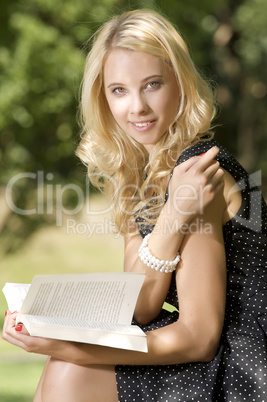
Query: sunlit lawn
[(51, 250)]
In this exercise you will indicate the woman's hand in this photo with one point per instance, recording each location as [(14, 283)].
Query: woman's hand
[(194, 184), (18, 335)]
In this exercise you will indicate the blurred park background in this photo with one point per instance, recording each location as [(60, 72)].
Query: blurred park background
[(50, 219)]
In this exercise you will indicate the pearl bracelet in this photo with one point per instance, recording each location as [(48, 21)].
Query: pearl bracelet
[(159, 265)]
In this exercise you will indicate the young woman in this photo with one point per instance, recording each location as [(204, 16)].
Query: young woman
[(147, 140)]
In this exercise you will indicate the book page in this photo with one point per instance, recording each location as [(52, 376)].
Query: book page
[(117, 336), (15, 294), (75, 324), (96, 297)]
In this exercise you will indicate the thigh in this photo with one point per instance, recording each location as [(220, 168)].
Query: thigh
[(72, 383)]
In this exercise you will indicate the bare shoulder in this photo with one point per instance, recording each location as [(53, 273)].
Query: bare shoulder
[(232, 196), (227, 203)]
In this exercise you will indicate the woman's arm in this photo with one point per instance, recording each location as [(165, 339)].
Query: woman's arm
[(193, 186), (200, 280)]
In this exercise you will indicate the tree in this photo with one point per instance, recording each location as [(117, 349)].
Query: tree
[(41, 61)]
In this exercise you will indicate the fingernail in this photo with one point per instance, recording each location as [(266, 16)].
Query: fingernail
[(202, 154), (5, 313), (18, 327), (15, 312)]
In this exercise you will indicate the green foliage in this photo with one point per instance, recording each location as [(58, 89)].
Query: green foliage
[(41, 61), (250, 21), (41, 70), (41, 64)]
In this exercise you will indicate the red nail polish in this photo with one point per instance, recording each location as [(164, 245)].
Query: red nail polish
[(18, 327), (202, 154), (5, 313), (15, 312)]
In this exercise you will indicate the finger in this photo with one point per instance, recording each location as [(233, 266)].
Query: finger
[(216, 184), (212, 152), (21, 329), (203, 160), (218, 178), (219, 186), (208, 157), (10, 319), (11, 333), (211, 169), (186, 165)]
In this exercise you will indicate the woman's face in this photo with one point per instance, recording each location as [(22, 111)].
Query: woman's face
[(142, 93)]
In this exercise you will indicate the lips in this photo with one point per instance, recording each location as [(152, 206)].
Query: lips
[(142, 125)]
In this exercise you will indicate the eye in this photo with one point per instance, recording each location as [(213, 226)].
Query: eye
[(118, 91), (153, 85)]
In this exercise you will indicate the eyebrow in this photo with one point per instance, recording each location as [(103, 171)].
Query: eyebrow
[(143, 80)]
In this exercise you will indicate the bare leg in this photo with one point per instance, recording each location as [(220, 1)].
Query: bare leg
[(63, 381), (38, 396)]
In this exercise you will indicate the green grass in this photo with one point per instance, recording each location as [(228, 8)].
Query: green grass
[(19, 380), (50, 250)]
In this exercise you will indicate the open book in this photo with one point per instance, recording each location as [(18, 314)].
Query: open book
[(92, 308)]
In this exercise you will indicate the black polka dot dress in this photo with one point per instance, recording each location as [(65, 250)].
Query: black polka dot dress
[(238, 372)]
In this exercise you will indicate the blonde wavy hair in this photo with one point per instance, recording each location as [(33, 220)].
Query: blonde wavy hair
[(116, 163)]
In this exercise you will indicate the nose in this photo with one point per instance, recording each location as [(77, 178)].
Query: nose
[(138, 104)]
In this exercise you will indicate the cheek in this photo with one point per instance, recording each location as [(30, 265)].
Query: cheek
[(174, 103), (117, 109), (169, 106)]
